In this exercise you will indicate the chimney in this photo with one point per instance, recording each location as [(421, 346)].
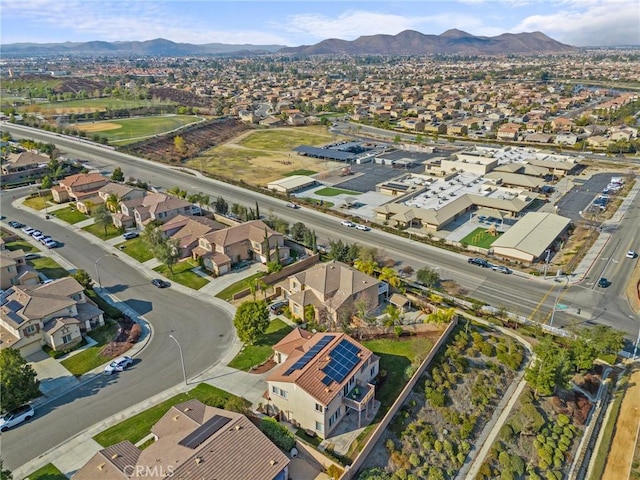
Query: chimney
[(198, 460), (238, 427), (176, 418), (272, 462), (114, 456), (101, 466)]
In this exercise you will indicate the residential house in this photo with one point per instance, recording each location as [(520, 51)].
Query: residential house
[(21, 167), (15, 271), (157, 206), (123, 193), (561, 124), (54, 314), (78, 188), (566, 138), (320, 379), (335, 290), (247, 241), (187, 230), (193, 441), (508, 131)]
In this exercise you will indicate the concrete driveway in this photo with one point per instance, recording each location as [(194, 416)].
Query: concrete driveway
[(54, 378)]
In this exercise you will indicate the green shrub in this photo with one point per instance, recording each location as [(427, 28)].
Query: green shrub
[(277, 433)]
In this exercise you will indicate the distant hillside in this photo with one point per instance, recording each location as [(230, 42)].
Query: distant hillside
[(158, 47), (453, 41), (408, 42)]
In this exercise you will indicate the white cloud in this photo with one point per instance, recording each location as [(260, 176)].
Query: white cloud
[(589, 23)]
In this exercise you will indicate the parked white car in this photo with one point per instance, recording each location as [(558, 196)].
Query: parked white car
[(118, 365), (16, 417), (364, 228), (347, 223)]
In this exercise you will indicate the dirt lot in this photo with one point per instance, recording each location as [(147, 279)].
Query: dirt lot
[(626, 436), (259, 163)]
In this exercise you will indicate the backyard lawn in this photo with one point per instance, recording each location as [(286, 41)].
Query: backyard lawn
[(480, 238), (396, 354), (48, 472), (231, 290), (136, 248), (183, 275), (70, 215), (49, 268), (90, 358), (139, 426), (253, 355), (332, 192), (98, 231)]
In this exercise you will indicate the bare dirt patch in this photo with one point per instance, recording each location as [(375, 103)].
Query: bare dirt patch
[(626, 433), (98, 127)]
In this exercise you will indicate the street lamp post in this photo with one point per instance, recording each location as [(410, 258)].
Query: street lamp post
[(95, 264), (184, 371)]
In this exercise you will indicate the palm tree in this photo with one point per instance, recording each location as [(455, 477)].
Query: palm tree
[(390, 276), (113, 202)]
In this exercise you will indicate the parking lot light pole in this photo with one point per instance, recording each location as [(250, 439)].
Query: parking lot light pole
[(184, 371)]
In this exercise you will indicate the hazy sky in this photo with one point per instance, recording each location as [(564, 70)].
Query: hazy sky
[(305, 22)]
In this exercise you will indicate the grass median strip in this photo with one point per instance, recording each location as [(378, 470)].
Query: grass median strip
[(137, 427), (254, 355)]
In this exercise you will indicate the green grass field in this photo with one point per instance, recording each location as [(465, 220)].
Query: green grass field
[(231, 290), (37, 203), (70, 215), (48, 472), (133, 129), (98, 231), (92, 105), (137, 249), (252, 355), (301, 171), (183, 275), (90, 358), (49, 267), (480, 238), (285, 139), (315, 201), (332, 192)]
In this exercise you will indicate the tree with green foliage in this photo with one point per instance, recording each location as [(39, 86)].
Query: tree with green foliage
[(390, 276), (278, 433), (551, 369), (83, 278), (343, 252), (46, 183), (102, 217), (18, 381), (428, 277), (367, 267), (251, 320), (221, 206), (5, 473), (117, 175), (113, 202), (298, 231), (168, 252), (180, 145)]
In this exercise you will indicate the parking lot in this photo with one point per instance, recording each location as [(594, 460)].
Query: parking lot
[(372, 173), (582, 194)]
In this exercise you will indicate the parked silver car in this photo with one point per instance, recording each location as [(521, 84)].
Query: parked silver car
[(16, 417)]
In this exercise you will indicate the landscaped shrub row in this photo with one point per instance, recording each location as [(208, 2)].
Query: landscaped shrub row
[(434, 431), (533, 443)]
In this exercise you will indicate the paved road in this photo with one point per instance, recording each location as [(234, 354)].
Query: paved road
[(204, 330), (522, 295)]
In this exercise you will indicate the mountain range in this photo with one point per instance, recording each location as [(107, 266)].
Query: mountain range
[(409, 42)]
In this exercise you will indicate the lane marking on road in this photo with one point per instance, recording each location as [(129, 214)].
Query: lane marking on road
[(535, 310)]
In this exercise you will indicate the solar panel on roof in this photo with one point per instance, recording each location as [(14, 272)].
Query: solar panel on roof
[(344, 357), (15, 317), (5, 295), (312, 352), (13, 305), (204, 431)]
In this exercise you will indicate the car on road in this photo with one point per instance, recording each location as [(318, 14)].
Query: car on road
[(15, 224), (16, 417), (158, 282), (44, 239), (631, 254), (130, 235), (37, 234), (501, 269), (481, 262), (347, 223), (364, 228), (278, 307), (32, 256), (118, 365), (28, 230), (603, 282), (293, 205)]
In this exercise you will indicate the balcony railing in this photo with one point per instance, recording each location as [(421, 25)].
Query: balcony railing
[(359, 396)]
